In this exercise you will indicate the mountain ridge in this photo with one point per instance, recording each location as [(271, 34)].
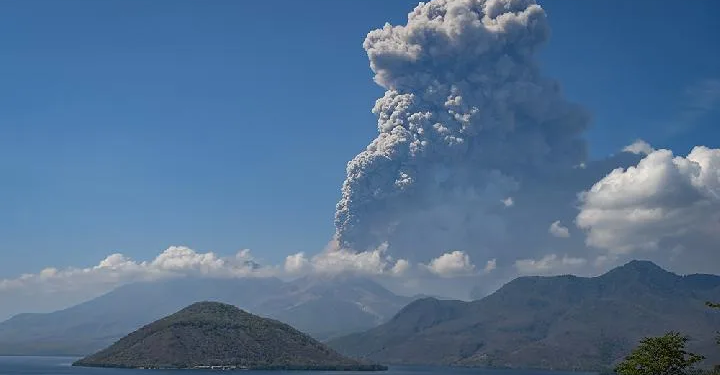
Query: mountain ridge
[(558, 322), (86, 327)]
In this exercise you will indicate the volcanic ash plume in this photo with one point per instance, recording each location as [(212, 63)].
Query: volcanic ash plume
[(465, 117)]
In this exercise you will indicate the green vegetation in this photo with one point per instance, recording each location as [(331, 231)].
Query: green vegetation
[(664, 355), (716, 370), (715, 306), (211, 334)]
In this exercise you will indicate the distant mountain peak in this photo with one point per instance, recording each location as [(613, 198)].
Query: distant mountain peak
[(641, 268), (639, 264), (641, 274)]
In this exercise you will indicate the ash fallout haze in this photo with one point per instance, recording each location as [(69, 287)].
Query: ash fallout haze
[(146, 141)]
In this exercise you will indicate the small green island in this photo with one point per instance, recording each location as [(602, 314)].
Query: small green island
[(212, 335)]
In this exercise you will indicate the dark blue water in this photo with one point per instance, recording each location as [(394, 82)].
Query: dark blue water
[(61, 366)]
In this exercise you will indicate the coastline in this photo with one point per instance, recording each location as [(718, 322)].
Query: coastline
[(360, 367)]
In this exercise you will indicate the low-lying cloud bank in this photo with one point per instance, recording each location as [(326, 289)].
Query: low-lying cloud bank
[(53, 288), (118, 269), (180, 261)]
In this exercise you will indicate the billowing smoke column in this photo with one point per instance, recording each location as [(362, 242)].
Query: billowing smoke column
[(465, 117)]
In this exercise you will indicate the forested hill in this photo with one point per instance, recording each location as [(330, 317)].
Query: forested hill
[(562, 322), (217, 334)]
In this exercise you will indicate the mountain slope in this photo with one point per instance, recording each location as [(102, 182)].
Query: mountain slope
[(217, 334), (562, 322), (303, 303), (356, 304)]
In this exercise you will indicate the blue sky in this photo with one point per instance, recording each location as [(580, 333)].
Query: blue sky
[(130, 125)]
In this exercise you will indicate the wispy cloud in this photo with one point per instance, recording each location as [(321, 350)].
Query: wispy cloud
[(549, 265), (698, 101)]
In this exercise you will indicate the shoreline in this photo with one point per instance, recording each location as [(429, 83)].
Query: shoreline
[(358, 368)]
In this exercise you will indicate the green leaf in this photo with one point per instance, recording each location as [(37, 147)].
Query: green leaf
[(665, 355)]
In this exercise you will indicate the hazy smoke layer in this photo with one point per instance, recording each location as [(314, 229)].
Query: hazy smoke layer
[(466, 116)]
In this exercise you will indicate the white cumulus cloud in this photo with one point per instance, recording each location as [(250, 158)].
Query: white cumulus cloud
[(558, 230), (401, 267), (336, 261), (490, 266), (296, 263), (662, 202), (452, 264), (639, 147)]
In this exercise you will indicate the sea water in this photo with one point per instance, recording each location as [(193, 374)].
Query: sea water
[(61, 366)]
